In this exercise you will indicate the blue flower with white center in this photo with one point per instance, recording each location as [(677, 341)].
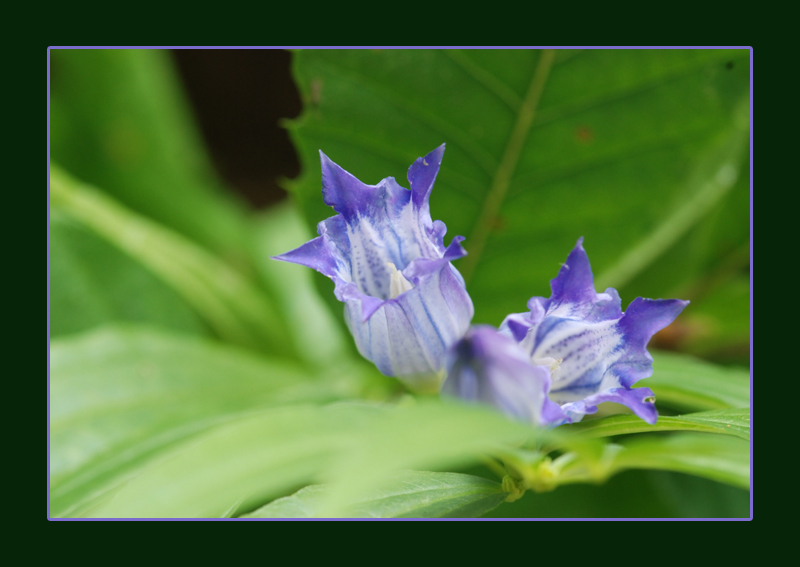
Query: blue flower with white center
[(405, 303), (489, 367), (596, 352)]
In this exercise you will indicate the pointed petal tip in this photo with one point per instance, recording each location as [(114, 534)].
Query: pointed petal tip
[(435, 155), (645, 317), (313, 254), (422, 174), (575, 280), (285, 257), (327, 162)]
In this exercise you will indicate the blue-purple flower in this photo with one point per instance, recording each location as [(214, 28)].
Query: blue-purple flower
[(405, 303), (596, 352), (489, 367)]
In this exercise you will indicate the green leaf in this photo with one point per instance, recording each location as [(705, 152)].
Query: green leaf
[(718, 325), (729, 422), (92, 283), (120, 395), (250, 460), (715, 249), (685, 383), (232, 305), (122, 123), (632, 149), (241, 463), (421, 435), (410, 495), (718, 457), (317, 333)]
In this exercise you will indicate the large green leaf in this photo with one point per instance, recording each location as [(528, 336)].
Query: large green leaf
[(729, 422), (92, 283), (121, 122), (413, 494), (245, 462), (632, 149), (685, 383), (230, 303), (241, 463), (120, 395)]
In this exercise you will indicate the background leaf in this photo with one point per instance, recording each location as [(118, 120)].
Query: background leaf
[(685, 383), (718, 326), (413, 494), (93, 283), (318, 333), (717, 457), (228, 301), (630, 149)]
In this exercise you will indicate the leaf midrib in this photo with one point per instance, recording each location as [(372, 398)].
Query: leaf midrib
[(508, 164)]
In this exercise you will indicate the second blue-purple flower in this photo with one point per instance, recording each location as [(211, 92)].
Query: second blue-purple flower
[(579, 350)]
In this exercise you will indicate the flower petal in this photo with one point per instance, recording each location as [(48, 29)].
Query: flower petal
[(602, 351), (421, 176), (312, 254), (573, 291), (640, 400), (408, 336), (351, 198), (422, 266), (489, 367), (380, 229)]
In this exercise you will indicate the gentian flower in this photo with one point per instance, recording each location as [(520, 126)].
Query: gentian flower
[(596, 352), (405, 303), (489, 367)]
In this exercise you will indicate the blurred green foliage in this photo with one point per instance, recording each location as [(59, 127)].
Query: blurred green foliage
[(193, 376), (96, 283), (119, 120)]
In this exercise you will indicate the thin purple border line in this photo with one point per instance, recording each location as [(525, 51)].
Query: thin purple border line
[(48, 285), (49, 517), (751, 283), (400, 47)]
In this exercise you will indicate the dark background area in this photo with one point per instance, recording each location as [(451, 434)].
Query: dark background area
[(239, 98)]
